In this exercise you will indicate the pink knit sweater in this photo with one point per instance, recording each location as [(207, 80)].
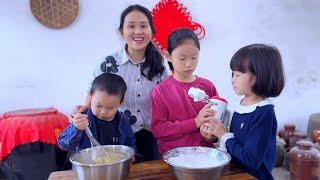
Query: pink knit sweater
[(173, 113)]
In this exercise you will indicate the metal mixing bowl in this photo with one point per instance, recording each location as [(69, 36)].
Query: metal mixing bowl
[(190, 163), (87, 170)]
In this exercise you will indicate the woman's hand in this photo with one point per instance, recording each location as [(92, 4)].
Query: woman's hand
[(80, 121), (82, 108), (205, 115), (79, 109)]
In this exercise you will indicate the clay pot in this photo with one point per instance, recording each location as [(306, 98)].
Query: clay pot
[(315, 135), (304, 161), (317, 145), (313, 124), (297, 137), (287, 133), (280, 151), (286, 159)]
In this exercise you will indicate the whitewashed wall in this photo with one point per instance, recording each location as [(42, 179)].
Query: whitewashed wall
[(41, 67)]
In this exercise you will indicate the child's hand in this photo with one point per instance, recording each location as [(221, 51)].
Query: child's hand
[(218, 128), (80, 121), (205, 115), (205, 130)]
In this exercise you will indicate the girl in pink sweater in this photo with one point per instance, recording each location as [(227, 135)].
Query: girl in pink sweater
[(176, 118)]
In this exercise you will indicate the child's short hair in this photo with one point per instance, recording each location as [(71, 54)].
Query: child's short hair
[(265, 63), (178, 37), (111, 83)]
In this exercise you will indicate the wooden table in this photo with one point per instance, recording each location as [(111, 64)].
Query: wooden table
[(157, 170)]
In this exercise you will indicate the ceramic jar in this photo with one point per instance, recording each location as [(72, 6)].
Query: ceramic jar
[(313, 124), (287, 133), (296, 137), (304, 161), (317, 145), (280, 151), (315, 135)]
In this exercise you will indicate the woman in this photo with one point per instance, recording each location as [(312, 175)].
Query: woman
[(140, 64)]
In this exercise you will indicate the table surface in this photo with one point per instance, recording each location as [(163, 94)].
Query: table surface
[(157, 170)]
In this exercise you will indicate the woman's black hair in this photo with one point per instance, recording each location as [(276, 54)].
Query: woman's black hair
[(154, 61), (113, 84), (178, 37), (265, 63)]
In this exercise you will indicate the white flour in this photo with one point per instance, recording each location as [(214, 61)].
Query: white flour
[(195, 161), (197, 94)]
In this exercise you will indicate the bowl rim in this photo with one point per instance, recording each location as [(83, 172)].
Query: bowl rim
[(100, 164), (201, 168)]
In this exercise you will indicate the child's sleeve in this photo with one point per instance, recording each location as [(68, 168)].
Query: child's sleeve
[(258, 139), (161, 127), (70, 138), (130, 138)]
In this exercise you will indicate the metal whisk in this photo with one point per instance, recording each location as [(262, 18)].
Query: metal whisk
[(93, 140), (97, 153)]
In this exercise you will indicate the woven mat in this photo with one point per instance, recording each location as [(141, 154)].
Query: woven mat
[(54, 13)]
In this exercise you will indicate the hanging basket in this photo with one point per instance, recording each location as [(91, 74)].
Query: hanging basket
[(55, 14)]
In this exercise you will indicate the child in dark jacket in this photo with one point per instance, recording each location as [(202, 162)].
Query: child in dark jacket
[(107, 124)]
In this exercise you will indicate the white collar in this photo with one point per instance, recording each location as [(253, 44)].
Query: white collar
[(125, 57), (248, 109)]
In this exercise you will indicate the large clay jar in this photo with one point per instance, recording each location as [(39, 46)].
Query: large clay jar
[(287, 133), (297, 137), (314, 123), (304, 161), (315, 135), (286, 158), (317, 145), (280, 151)]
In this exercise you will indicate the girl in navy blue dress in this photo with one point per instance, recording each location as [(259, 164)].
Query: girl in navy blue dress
[(257, 74)]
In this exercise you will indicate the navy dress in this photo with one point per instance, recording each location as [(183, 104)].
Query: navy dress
[(254, 143)]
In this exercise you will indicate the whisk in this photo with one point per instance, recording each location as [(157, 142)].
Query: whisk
[(93, 140), (96, 151)]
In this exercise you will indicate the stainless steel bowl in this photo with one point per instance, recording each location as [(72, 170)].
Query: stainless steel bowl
[(87, 170), (196, 162)]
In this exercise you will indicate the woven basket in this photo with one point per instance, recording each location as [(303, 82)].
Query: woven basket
[(55, 14)]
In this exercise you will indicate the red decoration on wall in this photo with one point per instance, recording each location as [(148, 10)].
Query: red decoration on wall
[(169, 15)]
